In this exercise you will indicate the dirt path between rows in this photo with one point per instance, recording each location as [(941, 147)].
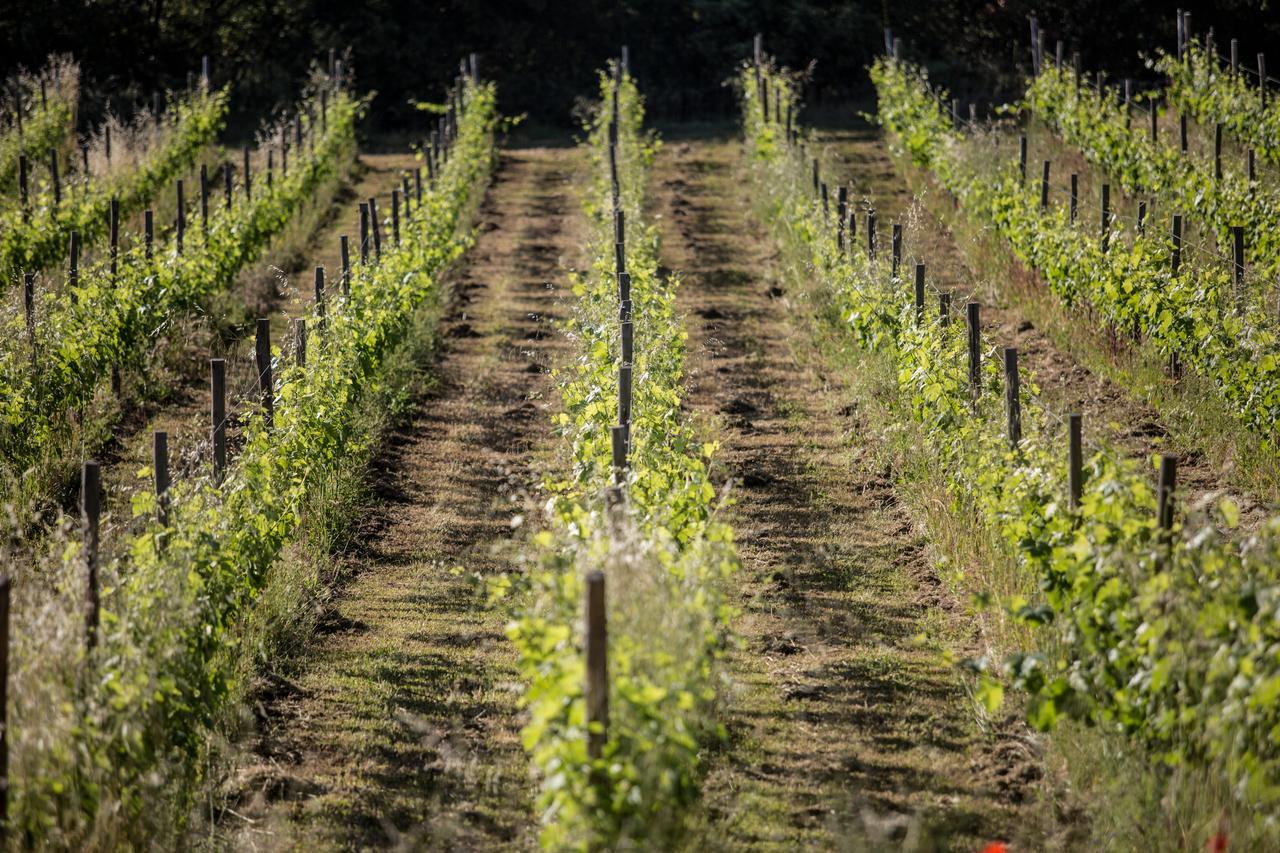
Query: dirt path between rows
[(402, 727), (846, 729)]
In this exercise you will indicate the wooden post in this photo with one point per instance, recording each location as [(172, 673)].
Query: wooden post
[(262, 359), (896, 246), (628, 341), (1235, 56), (826, 208), (248, 176), (842, 213), (1237, 263), (160, 469), (624, 291), (1252, 167), (148, 233), (405, 194), (204, 200), (1182, 133), (618, 438), (1142, 217), (364, 233), (1262, 80), (300, 342), (1022, 158), (90, 511), (1044, 187), (1075, 194), (1128, 101), (1075, 459), (53, 176), (597, 687), (375, 229), (1175, 258), (226, 183), (417, 183), (624, 394), (944, 308), (182, 216), (816, 181), (84, 162), (344, 249), (1155, 121), (1168, 483), (271, 168), (1013, 404), (319, 280), (920, 294), (284, 152), (871, 234), (1217, 151), (975, 348), (218, 414), (1106, 217), (73, 269), (395, 217)]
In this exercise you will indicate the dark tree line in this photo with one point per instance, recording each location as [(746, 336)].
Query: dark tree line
[(543, 52)]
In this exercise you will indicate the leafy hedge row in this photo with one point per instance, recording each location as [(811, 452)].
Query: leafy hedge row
[(46, 123), (1172, 639), (665, 555), (97, 739), (1210, 94), (1095, 123), (116, 319), (35, 242), (1130, 285)]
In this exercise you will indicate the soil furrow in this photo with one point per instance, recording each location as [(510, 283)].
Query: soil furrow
[(848, 726), (402, 726)]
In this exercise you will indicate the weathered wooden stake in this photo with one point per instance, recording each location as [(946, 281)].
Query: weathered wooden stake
[(73, 269), (896, 247), (319, 282), (1044, 187), (624, 393), (1252, 169), (262, 359), (218, 414), (1142, 217), (160, 469), (1155, 121), (375, 229), (1183, 141), (204, 200), (628, 341), (1235, 56), (90, 512), (395, 217), (248, 176), (920, 294), (1012, 402), (842, 213), (182, 216), (871, 234), (417, 184), (975, 348), (1075, 195), (344, 249), (1022, 157), (1167, 484), (1075, 459), (618, 438), (1106, 217), (597, 687), (53, 176), (113, 235), (1262, 80)]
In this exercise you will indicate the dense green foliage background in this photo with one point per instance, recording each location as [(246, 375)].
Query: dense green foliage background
[(542, 52)]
